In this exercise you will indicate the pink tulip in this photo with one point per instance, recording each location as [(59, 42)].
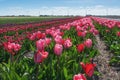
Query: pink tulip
[(88, 43), (58, 49), (12, 48), (79, 77), (48, 41), (17, 47), (47, 31), (65, 27), (118, 34), (78, 28), (11, 45), (118, 24), (96, 32), (58, 39), (67, 43), (40, 44), (40, 56), (32, 37)]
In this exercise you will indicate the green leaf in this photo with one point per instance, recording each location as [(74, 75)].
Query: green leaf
[(92, 53), (25, 76), (70, 61), (65, 72), (97, 73), (14, 75), (32, 48)]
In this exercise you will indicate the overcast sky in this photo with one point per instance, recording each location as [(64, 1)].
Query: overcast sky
[(59, 7)]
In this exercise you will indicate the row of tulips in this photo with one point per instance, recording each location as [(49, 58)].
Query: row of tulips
[(31, 22), (59, 53), (19, 33), (34, 25), (110, 33)]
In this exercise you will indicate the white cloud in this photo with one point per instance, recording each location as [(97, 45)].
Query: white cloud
[(93, 10)]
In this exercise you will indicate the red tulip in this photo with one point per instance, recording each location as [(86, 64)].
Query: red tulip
[(81, 34), (62, 33), (79, 77), (88, 68), (37, 35), (80, 47)]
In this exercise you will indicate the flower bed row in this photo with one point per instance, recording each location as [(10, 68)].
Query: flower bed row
[(64, 52), (110, 32)]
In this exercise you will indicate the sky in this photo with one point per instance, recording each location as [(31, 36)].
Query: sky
[(59, 7)]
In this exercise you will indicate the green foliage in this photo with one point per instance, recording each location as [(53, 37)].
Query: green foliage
[(62, 67), (112, 41)]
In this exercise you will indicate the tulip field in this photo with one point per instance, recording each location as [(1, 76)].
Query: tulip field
[(57, 49)]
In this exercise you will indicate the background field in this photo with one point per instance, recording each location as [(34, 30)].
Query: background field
[(20, 20)]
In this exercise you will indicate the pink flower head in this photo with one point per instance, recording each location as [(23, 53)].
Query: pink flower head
[(40, 56), (118, 24), (96, 32), (48, 31), (88, 68), (48, 41), (40, 44), (79, 77), (67, 43), (65, 27), (118, 34), (88, 43), (58, 39), (58, 49), (32, 36), (78, 28), (12, 48), (17, 47), (111, 24)]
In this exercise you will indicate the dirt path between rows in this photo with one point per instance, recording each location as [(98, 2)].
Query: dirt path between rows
[(102, 61)]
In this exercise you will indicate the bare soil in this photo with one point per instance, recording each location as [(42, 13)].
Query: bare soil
[(102, 60)]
